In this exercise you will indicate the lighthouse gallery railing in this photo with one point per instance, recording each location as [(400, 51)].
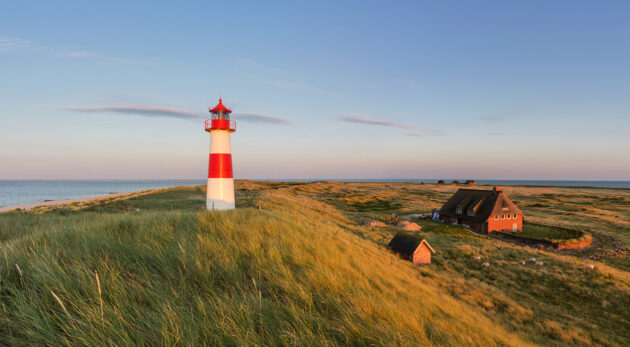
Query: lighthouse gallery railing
[(220, 124)]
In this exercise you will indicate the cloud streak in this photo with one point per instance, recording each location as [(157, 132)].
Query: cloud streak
[(296, 86), (415, 131), (499, 117), (261, 67), (12, 44), (79, 54), (362, 119), (261, 118), (144, 111), (493, 118), (170, 112)]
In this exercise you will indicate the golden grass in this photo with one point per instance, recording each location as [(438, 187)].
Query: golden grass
[(302, 270)]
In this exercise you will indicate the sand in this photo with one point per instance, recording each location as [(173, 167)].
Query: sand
[(408, 226)]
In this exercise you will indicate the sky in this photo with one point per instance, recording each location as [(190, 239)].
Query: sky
[(341, 89)]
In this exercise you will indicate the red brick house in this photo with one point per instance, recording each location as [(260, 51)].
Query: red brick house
[(411, 248), (483, 210)]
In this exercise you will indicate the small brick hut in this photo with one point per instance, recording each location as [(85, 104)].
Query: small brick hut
[(483, 210), (411, 248)]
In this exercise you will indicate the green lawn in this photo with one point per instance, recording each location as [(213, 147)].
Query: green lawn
[(547, 233)]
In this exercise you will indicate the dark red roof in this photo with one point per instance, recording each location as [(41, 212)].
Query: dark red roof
[(220, 107), (407, 244), (482, 203)]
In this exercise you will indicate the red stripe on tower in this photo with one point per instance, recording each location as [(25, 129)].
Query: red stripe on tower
[(220, 165)]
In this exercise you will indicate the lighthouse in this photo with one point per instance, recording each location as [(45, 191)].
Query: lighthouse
[(220, 195)]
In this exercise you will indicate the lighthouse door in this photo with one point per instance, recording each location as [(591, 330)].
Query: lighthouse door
[(514, 227)]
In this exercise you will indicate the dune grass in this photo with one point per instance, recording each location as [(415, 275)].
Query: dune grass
[(299, 271)]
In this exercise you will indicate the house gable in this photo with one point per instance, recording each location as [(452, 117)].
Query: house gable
[(422, 254)]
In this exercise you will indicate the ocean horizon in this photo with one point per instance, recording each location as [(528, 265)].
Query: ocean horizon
[(20, 192)]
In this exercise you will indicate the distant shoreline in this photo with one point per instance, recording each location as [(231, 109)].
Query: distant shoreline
[(479, 182), (56, 203), (98, 198), (623, 185), (22, 194)]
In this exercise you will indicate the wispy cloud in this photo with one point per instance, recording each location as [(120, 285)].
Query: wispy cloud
[(499, 117), (415, 131), (277, 77), (144, 111), (296, 86), (260, 67), (12, 43), (82, 54), (261, 118), (170, 112), (363, 119), (91, 55), (493, 118)]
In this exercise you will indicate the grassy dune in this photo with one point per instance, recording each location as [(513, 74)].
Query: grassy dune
[(605, 212), (300, 271)]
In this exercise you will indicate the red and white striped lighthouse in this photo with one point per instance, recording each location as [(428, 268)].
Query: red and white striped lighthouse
[(220, 195)]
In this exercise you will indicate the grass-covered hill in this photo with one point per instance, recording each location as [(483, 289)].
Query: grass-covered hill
[(159, 270)]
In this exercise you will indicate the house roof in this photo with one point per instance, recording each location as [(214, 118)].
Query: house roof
[(407, 244), (483, 204)]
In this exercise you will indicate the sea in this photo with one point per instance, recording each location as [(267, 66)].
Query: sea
[(14, 193)]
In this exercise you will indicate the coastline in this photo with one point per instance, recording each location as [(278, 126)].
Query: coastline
[(83, 200)]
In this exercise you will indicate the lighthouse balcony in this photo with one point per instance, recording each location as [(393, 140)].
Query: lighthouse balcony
[(220, 124)]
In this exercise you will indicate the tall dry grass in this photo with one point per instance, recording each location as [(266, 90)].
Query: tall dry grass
[(298, 271)]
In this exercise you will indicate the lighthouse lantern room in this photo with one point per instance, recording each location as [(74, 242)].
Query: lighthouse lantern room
[(220, 195)]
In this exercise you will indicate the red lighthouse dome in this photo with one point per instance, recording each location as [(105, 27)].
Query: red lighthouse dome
[(220, 118), (220, 108)]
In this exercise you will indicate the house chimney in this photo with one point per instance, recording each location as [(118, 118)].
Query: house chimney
[(496, 189)]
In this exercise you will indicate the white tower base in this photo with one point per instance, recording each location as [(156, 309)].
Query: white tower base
[(220, 194)]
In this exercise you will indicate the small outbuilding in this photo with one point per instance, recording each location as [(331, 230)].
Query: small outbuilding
[(411, 248)]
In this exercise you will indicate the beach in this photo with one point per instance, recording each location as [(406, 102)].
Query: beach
[(78, 202)]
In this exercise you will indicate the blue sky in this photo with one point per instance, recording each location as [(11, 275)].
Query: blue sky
[(503, 90)]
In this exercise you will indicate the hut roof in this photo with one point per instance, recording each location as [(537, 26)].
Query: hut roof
[(482, 203), (407, 244)]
